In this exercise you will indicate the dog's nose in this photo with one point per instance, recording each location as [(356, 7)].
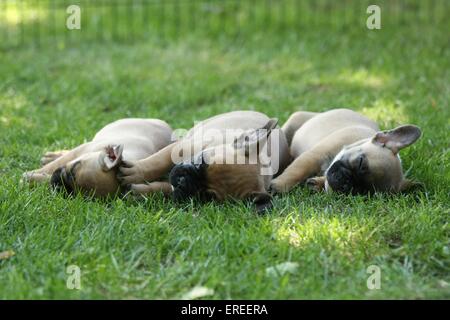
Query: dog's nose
[(61, 181), (339, 177), (181, 181), (187, 180)]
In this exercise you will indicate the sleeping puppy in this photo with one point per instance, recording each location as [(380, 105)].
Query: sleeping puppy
[(91, 167), (231, 155), (341, 150)]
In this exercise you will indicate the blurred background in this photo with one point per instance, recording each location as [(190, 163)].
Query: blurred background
[(42, 22)]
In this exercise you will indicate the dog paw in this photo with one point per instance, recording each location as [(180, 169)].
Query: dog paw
[(51, 156), (32, 177), (28, 177), (316, 184), (46, 160), (129, 191), (278, 187), (130, 173), (25, 179)]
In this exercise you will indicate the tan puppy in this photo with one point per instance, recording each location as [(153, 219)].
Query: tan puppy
[(91, 167), (219, 158), (344, 151)]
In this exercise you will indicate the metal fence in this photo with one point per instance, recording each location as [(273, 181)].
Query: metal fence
[(44, 22)]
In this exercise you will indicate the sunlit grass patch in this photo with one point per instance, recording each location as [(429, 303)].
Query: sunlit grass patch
[(387, 113)]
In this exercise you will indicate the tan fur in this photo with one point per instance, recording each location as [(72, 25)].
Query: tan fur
[(224, 180), (234, 181), (139, 137), (320, 139), (51, 156)]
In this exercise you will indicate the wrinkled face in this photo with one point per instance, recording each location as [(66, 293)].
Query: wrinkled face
[(225, 171), (364, 167), (89, 174), (188, 180), (209, 176), (372, 164)]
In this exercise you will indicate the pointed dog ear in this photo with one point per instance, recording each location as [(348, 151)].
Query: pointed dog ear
[(398, 138), (262, 201), (249, 140), (112, 157), (271, 124)]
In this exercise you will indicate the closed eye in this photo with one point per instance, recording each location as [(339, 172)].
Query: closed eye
[(72, 170), (362, 166)]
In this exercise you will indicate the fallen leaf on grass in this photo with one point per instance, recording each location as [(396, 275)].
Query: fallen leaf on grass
[(197, 292), (6, 254), (282, 268)]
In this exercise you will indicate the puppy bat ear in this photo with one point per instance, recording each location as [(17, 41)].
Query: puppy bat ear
[(271, 124), (262, 201), (112, 157), (200, 163), (398, 138), (251, 139)]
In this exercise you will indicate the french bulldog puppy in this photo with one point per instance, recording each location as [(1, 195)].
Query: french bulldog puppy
[(219, 158), (341, 150), (91, 168)]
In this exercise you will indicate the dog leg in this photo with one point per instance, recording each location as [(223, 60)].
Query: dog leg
[(34, 177), (44, 174), (314, 161), (316, 183), (153, 187), (148, 169), (305, 166), (51, 156), (295, 121)]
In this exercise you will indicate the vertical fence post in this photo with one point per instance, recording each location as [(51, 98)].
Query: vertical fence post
[(3, 12), (38, 25), (52, 24), (22, 22), (113, 12), (177, 18), (130, 20), (268, 13), (144, 19), (163, 18), (100, 31), (193, 15)]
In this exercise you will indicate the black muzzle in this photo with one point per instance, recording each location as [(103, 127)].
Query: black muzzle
[(188, 181)]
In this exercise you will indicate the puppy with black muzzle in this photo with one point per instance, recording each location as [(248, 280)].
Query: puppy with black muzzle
[(219, 158), (341, 150), (91, 168)]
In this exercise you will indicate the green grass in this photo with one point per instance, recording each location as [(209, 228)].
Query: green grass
[(56, 98)]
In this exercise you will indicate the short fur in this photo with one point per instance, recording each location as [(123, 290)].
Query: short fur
[(342, 150), (191, 178), (92, 167)]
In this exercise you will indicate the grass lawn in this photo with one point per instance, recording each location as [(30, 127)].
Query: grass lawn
[(56, 98)]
